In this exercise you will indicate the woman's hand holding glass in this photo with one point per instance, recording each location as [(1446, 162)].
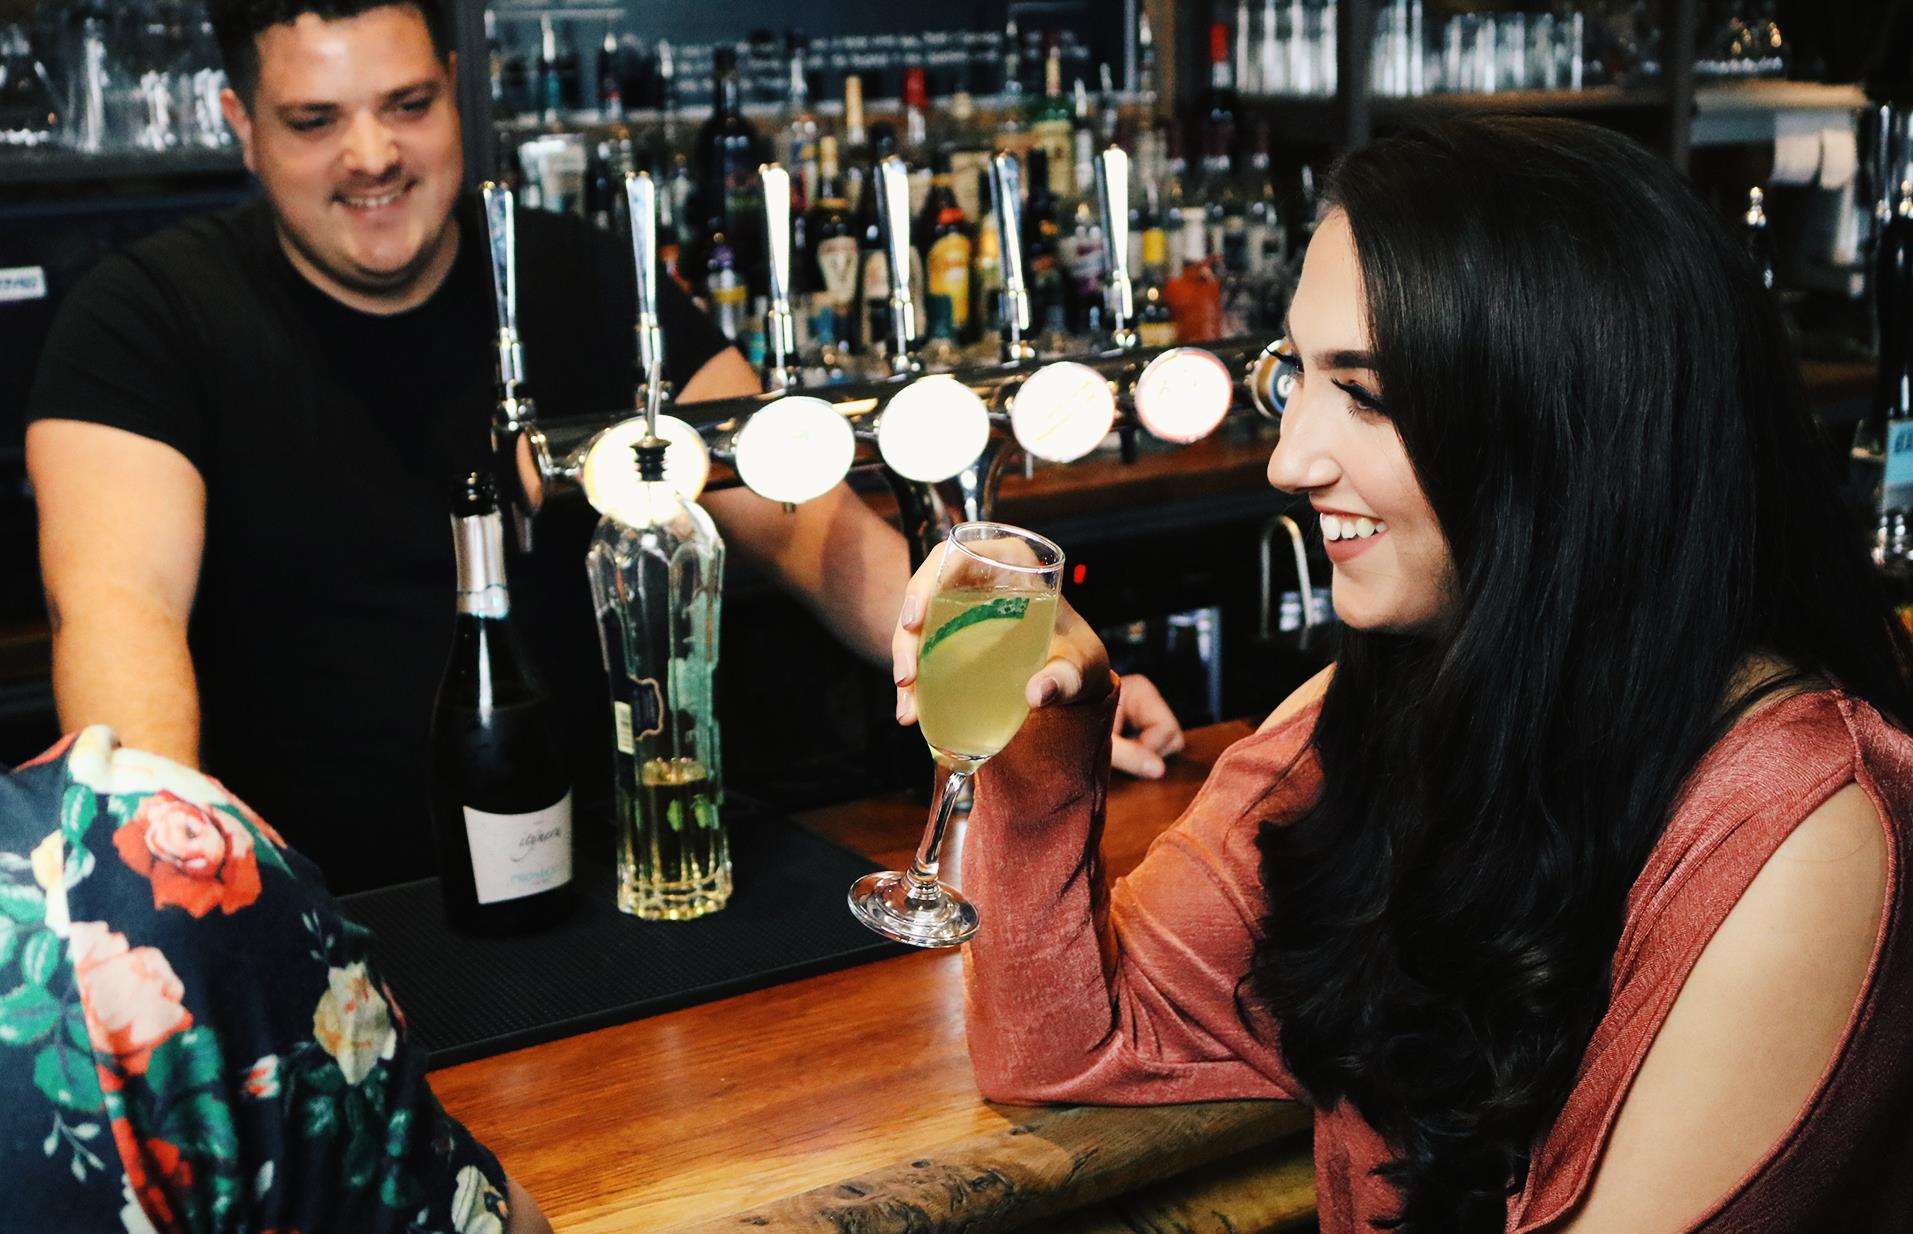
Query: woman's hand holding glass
[(1076, 670)]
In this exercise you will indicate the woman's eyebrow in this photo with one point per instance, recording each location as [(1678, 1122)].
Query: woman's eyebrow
[(1364, 360)]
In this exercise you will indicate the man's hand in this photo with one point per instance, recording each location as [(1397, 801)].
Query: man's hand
[(1147, 732)]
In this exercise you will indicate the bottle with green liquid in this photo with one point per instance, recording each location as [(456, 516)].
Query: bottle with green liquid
[(656, 565)]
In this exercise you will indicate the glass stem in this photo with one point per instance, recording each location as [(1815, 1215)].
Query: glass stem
[(923, 871)]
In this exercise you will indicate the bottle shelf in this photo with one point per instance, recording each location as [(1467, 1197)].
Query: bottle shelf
[(40, 167)]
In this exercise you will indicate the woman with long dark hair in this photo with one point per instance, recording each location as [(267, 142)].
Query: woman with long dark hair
[(1572, 895)]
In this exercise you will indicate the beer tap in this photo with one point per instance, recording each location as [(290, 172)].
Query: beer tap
[(780, 324), (1006, 187), (516, 413), (641, 196), (1112, 194), (893, 215)]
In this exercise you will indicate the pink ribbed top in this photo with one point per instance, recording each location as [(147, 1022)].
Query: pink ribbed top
[(1127, 995)]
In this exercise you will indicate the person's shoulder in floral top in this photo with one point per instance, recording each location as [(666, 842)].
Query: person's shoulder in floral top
[(191, 1037)]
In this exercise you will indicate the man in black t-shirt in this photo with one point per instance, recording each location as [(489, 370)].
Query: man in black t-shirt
[(244, 427)]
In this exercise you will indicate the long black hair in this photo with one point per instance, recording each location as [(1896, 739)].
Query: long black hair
[(1599, 401)]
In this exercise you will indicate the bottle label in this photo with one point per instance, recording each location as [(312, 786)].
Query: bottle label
[(837, 263), (638, 715), (1155, 246), (1897, 487), (517, 855), (1156, 333), (950, 276)]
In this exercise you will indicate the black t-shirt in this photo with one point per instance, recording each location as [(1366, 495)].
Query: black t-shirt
[(327, 439)]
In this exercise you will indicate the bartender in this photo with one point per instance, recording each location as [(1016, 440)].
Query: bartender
[(243, 429)]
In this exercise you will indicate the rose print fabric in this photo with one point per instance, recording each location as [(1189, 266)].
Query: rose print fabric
[(191, 1037)]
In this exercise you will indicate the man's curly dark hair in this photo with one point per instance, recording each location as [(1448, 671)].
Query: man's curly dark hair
[(239, 23)]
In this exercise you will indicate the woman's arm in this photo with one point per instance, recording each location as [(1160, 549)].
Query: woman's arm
[(1078, 993)]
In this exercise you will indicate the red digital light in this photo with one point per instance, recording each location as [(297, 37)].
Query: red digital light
[(1080, 573)]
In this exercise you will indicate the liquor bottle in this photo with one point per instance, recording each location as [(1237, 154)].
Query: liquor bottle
[(610, 87), (948, 249), (1893, 398), (826, 363), (1010, 84), (728, 156), (1155, 324), (551, 87), (940, 350), (656, 566), (1218, 110), (986, 275), (1084, 266), (1758, 238), (1194, 296), (501, 802), (916, 115), (1051, 125), (870, 310), (1042, 246), (1083, 143), (870, 336), (1148, 76), (856, 145), (799, 153), (833, 249)]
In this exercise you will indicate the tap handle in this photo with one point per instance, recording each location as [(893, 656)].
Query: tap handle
[(641, 196), (776, 182), (779, 324), (1006, 185), (503, 238), (1112, 192), (893, 211)]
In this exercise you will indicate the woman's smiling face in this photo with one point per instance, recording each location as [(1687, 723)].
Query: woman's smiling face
[(1393, 570)]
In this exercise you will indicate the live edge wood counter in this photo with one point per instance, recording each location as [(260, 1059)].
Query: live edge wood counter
[(844, 1103)]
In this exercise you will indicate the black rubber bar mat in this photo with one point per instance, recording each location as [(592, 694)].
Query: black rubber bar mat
[(467, 998)]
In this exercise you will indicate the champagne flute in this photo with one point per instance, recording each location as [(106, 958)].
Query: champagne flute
[(986, 633)]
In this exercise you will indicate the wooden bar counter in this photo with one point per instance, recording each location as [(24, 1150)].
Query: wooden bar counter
[(845, 1102)]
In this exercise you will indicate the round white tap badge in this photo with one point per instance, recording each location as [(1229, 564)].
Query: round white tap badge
[(933, 429), (1184, 394), (794, 449), (610, 475), (1063, 411)]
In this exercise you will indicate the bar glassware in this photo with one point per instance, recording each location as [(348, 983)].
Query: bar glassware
[(986, 633)]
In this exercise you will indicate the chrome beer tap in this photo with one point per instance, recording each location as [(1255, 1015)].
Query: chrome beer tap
[(516, 413), (780, 324), (1006, 187), (641, 196), (893, 215), (1112, 194)]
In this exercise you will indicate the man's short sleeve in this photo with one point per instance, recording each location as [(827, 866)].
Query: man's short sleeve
[(117, 355)]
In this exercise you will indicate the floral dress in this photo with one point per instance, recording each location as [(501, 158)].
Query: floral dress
[(191, 1037)]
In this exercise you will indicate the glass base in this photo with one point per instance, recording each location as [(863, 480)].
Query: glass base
[(676, 901), (882, 902)]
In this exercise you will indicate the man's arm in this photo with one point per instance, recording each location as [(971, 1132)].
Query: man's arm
[(847, 565), (122, 527)]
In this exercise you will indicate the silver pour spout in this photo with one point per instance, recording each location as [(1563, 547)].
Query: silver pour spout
[(893, 214), (641, 195), (1112, 193), (780, 324), (1006, 186), (516, 413)]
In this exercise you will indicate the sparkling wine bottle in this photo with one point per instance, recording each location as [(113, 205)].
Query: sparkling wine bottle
[(501, 800)]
